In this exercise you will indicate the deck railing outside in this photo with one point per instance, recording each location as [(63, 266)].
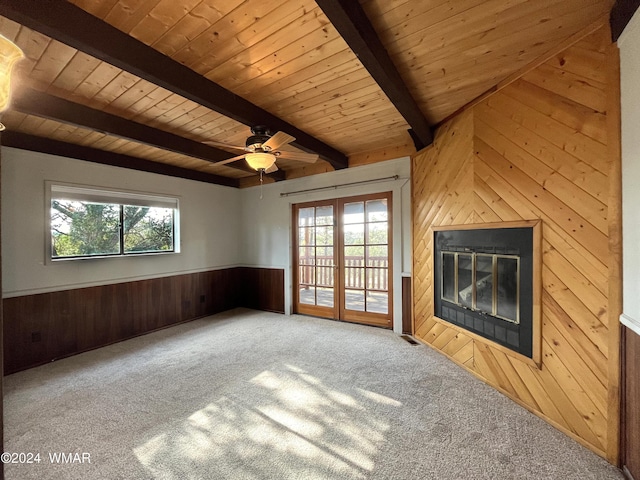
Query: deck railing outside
[(377, 272)]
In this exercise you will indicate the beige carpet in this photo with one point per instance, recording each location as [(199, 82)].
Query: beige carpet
[(253, 395)]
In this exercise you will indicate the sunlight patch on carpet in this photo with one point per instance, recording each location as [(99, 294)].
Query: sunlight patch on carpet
[(292, 413)]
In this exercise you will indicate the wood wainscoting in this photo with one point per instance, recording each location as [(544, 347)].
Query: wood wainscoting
[(262, 289), (44, 327), (631, 402), (544, 147)]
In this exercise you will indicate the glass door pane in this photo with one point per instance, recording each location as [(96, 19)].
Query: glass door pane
[(465, 280), (508, 284), (484, 283), (449, 276), (366, 256), (353, 255), (315, 260)]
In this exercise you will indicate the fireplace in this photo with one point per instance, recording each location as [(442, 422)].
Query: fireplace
[(484, 282)]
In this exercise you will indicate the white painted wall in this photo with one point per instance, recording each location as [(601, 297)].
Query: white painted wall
[(267, 223), (220, 227), (210, 225), (629, 44)]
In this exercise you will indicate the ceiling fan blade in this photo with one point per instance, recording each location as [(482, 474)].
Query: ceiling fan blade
[(228, 160), (298, 156), (225, 145), (271, 169), (277, 140)]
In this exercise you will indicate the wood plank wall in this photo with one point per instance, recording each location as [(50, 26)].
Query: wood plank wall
[(48, 326), (540, 148)]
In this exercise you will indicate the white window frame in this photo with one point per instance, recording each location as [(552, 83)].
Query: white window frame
[(68, 191)]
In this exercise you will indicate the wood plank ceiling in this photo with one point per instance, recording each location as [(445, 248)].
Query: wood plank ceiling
[(280, 60)]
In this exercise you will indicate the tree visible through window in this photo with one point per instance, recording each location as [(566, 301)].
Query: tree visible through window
[(148, 229), (88, 228)]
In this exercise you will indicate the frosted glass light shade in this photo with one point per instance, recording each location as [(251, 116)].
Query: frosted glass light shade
[(260, 160), (9, 55)]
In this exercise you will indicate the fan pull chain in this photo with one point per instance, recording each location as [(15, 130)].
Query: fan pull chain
[(261, 170)]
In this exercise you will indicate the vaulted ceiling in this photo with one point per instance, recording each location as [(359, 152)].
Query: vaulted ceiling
[(143, 83)]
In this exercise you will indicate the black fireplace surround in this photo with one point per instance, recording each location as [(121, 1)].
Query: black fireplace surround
[(483, 282)]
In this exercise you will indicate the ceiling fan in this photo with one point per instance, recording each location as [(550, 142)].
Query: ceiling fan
[(262, 150)]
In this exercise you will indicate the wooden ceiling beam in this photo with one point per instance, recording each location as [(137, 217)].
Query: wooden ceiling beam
[(41, 104), (55, 147), (73, 26), (621, 14), (348, 17)]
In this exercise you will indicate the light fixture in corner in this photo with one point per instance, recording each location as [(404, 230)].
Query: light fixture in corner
[(9, 55), (260, 160)]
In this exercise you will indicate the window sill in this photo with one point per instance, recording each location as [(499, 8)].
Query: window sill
[(50, 260)]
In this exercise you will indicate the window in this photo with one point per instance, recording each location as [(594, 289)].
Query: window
[(87, 222)]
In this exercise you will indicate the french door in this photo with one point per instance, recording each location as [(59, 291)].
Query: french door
[(342, 259)]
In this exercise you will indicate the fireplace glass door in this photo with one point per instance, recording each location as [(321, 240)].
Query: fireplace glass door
[(449, 277), (484, 283), (465, 280), (508, 285)]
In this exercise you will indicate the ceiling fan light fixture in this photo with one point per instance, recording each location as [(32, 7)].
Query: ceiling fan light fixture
[(260, 160)]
